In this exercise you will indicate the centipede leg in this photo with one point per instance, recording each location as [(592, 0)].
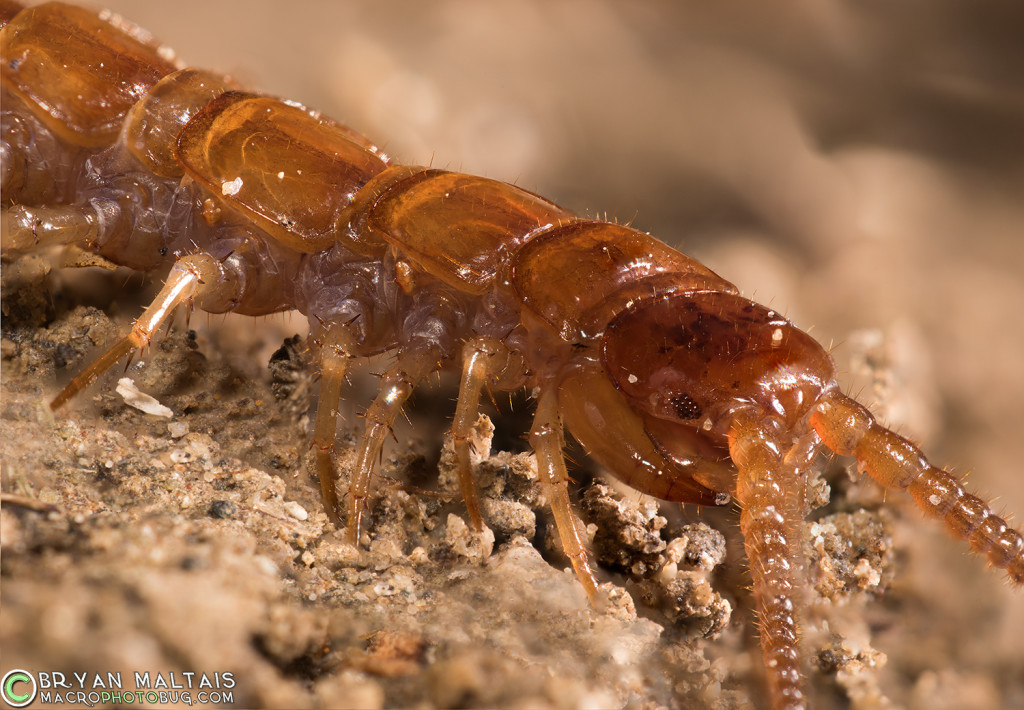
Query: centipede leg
[(24, 227), (196, 276), (396, 387), (761, 490), (335, 357), (848, 429), (477, 356), (547, 439)]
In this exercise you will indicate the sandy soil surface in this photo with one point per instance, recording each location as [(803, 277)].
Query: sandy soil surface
[(856, 168)]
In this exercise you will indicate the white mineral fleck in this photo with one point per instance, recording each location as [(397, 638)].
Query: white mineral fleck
[(134, 397), (231, 187), (295, 510)]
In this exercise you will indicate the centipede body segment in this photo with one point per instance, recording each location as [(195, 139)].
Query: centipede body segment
[(676, 384)]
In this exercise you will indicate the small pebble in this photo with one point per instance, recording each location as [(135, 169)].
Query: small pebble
[(177, 429), (295, 510), (222, 509)]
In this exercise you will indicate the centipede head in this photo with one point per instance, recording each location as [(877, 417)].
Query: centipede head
[(692, 358)]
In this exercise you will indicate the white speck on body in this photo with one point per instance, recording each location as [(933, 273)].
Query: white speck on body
[(231, 187)]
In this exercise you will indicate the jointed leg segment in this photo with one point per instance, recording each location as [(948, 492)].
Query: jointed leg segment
[(547, 441), (198, 276), (395, 389), (335, 356), (25, 227), (476, 357)]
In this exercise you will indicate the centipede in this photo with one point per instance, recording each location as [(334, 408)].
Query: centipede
[(670, 380)]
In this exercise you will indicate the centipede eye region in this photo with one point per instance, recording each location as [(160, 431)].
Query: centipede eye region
[(685, 356)]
